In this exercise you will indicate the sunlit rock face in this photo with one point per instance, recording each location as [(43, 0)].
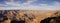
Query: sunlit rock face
[(29, 16)]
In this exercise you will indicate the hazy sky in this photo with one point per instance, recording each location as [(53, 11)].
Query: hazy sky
[(30, 4)]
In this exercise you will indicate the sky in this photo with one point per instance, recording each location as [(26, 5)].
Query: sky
[(29, 4)]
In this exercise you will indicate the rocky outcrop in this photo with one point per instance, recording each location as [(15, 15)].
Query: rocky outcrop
[(29, 16)]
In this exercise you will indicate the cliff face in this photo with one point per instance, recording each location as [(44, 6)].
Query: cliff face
[(29, 16)]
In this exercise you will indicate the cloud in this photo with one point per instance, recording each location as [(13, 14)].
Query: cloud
[(28, 6)]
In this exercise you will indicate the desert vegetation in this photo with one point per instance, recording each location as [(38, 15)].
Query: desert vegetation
[(26, 16)]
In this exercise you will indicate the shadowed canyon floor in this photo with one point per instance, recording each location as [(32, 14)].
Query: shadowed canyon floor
[(27, 16)]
